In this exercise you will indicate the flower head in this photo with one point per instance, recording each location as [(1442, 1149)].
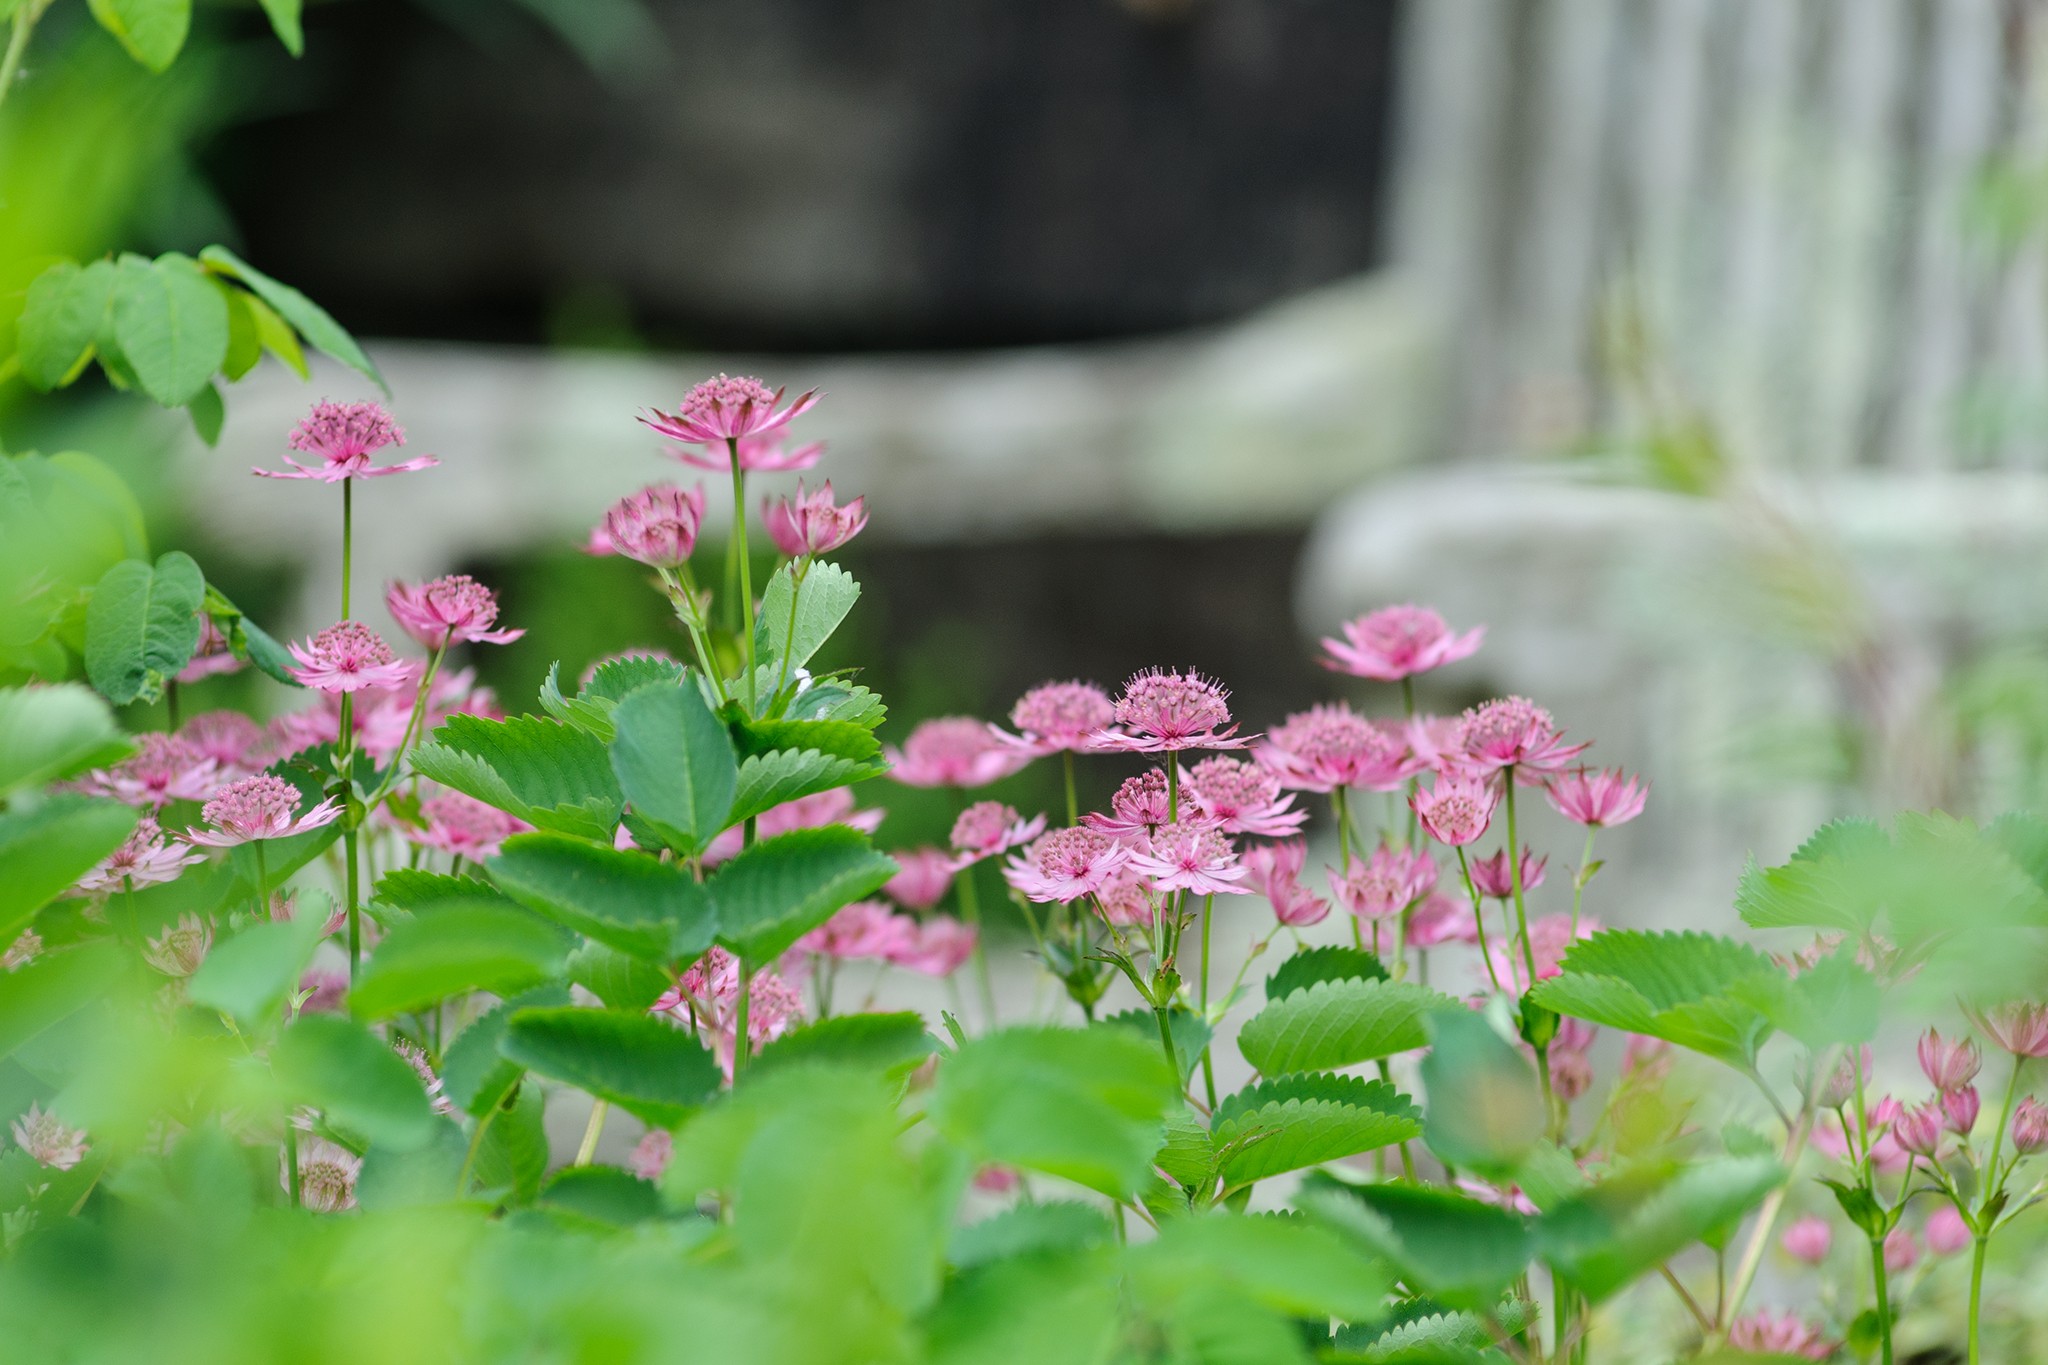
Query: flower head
[(1948, 1065), (1124, 900), (1331, 746), (937, 947), (464, 826), (1495, 878), (1441, 918), (727, 409), (1276, 871), (987, 828), (1900, 1251), (50, 1140), (145, 858), (758, 454), (1059, 716), (347, 657), (1162, 710), (179, 950), (1550, 937), (1398, 642), (163, 769), (229, 738), (1919, 1130), (344, 436), (1808, 1239), (831, 807), (327, 1175), (1242, 798), (259, 807), (1455, 810), (2029, 1126), (1141, 804), (1190, 857), (447, 611), (2020, 1026), (657, 526), (1386, 883), (954, 751), (1960, 1108), (925, 876), (1512, 732), (1596, 797), (812, 524), (651, 1154), (1946, 1231), (1066, 865), (863, 929), (1783, 1333)]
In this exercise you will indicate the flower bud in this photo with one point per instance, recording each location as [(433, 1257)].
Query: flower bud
[(1948, 1065), (2030, 1126), (1885, 1112), (1947, 1233), (657, 526), (1961, 1108), (1900, 1251), (1919, 1130), (1808, 1239)]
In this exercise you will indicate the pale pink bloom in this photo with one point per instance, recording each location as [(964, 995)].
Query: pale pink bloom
[(1644, 1053), (757, 455), (1840, 1085), (1066, 865), (1276, 871), (417, 1059), (832, 807), (347, 657), (1946, 1231), (1493, 877), (927, 874), (1781, 1333), (954, 751), (1885, 1152), (1900, 1251), (145, 858), (1886, 1112), (1141, 804), (1242, 798), (24, 950), (996, 1179), (1597, 797), (1455, 810), (1398, 642), (1385, 884), (1808, 1239), (938, 947), (381, 714), (1948, 1065), (1164, 710), (707, 997), (1919, 1130), (463, 826), (1550, 937), (1059, 716), (259, 807), (1192, 858), (445, 611), (2029, 1126), (1571, 1073), (988, 828), (1124, 901), (1509, 1197), (213, 656), (1960, 1108), (345, 436), (165, 768), (812, 523), (323, 991), (327, 1175), (229, 738), (727, 409), (862, 929), (179, 950), (1331, 746), (2020, 1027), (1441, 918), (651, 1154), (657, 526), (284, 907), (1512, 732), (50, 1140), (1432, 741)]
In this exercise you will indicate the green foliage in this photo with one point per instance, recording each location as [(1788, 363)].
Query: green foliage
[(1330, 962), (827, 595), (476, 1076), (1439, 1242), (414, 892), (615, 679), (51, 733), (153, 31), (249, 641), (1028, 1229), (642, 1063), (143, 626), (468, 948), (780, 889), (1690, 989), (1605, 1237), (358, 1082), (1189, 1031), (622, 981), (65, 519), (1485, 1109), (1305, 1120), (1337, 1023), (675, 764), (1424, 1330), (43, 850), (629, 901), (767, 780), (889, 1043), (170, 324), (53, 987), (307, 318), (546, 773), (248, 976)]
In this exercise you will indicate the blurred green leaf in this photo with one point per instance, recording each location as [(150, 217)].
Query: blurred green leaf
[(888, 1043), (1485, 1111), (1189, 1032), (620, 980), (208, 414), (768, 780), (604, 1194), (1425, 1332), (53, 986), (248, 976), (469, 948), (1439, 1242), (1284, 1264), (171, 323), (475, 1075), (1029, 1229), (514, 1153), (311, 320), (1833, 1001), (1337, 1023), (644, 1064), (630, 901), (68, 307), (1329, 962), (675, 764), (284, 21), (143, 625), (780, 889), (1629, 1224), (153, 31), (545, 773), (358, 1082), (43, 851), (51, 733), (1305, 1120), (1031, 1307)]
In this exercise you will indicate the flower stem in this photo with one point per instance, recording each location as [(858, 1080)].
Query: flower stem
[(348, 527), (412, 727), (1884, 1304), (1340, 807), (1166, 1041), (291, 1159), (595, 1129), (739, 532), (1579, 882), (1515, 879), (1208, 1067), (1980, 1243), (970, 910), (796, 590), (262, 881), (1992, 1182), (1073, 805), (17, 43), (1478, 917)]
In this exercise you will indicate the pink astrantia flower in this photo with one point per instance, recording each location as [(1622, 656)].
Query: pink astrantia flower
[(259, 807), (1808, 1239), (651, 1154), (416, 1058), (727, 409), (1455, 810), (657, 526), (954, 751), (2029, 1126), (1276, 871), (1398, 642), (1242, 798), (145, 858), (1059, 716), (1493, 877), (1066, 865), (1919, 1130), (1960, 1108), (988, 828), (1768, 1333), (1385, 884), (1550, 937), (229, 738), (345, 436), (1509, 1197), (1124, 900), (1596, 797), (165, 768), (463, 826), (1571, 1069), (707, 995), (179, 950), (863, 929), (1885, 1152), (1141, 805), (1190, 857), (1164, 710), (1441, 918), (347, 657), (1512, 732), (938, 947), (812, 523), (997, 1179), (447, 611), (1947, 1233), (2020, 1027), (833, 807), (50, 1140), (214, 655), (1948, 1065), (757, 455), (926, 875), (1331, 746), (327, 1175)]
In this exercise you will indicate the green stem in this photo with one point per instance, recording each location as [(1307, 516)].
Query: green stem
[(355, 923), (171, 702), (291, 1159), (348, 526), (349, 810), (1073, 805), (1478, 917), (1340, 806), (595, 1129), (1166, 1041), (1208, 1068), (740, 1048), (796, 590), (1884, 1305), (1991, 1179), (739, 532), (1172, 787), (412, 728), (1579, 882), (262, 881), (970, 910), (476, 1144), (1515, 878), (1980, 1243), (682, 598)]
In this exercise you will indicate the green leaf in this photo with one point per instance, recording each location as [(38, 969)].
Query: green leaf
[(640, 1062), (475, 948), (249, 641), (1026, 1229), (1188, 1155), (1084, 1104), (1678, 987), (675, 764), (311, 320), (602, 1194), (1439, 1242), (613, 681), (545, 773), (55, 732), (780, 889), (1425, 1332), (142, 626), (52, 987), (46, 849), (414, 892), (1305, 1120), (172, 325), (68, 307), (1631, 1223), (245, 347), (1190, 1033), (622, 981), (1485, 1111), (1031, 1307), (1331, 962), (1834, 1001), (514, 1154), (768, 780), (284, 21), (889, 1043), (477, 1077), (1284, 1264), (247, 977), (1337, 1023), (827, 595), (208, 415), (153, 31), (276, 336), (839, 738), (1862, 1209), (355, 1079), (631, 901)]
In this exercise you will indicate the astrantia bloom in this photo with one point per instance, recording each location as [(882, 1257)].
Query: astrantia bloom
[(1066, 865), (1919, 1130), (926, 875), (1596, 797), (1512, 732), (213, 656), (1808, 1239), (1495, 878), (1332, 746), (833, 807), (1242, 798), (327, 1175), (344, 436), (1141, 804), (757, 455), (229, 738), (811, 523), (657, 526), (1162, 710), (862, 929), (347, 657), (259, 807), (652, 1153), (1441, 918), (1190, 857), (1059, 716), (1900, 1251), (49, 1139), (416, 1058), (1768, 1333), (1550, 937), (727, 409), (179, 950), (954, 751), (165, 768), (1398, 642), (1455, 810), (1959, 1108), (1948, 1065), (1385, 884), (2029, 1126), (447, 611), (1123, 900), (937, 947), (464, 826), (2020, 1027), (1276, 871), (145, 858), (987, 828)]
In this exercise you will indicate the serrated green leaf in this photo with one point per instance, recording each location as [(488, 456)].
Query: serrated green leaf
[(170, 321), (1485, 1110), (839, 738), (514, 1154), (142, 625), (602, 1194), (475, 1076), (67, 308), (1056, 1226), (355, 1078), (1030, 1307), (1678, 987), (827, 594), (1334, 1024), (1190, 1033), (1331, 962), (473, 948), (1627, 1225), (248, 976), (768, 780), (43, 851), (54, 732), (153, 31), (546, 773), (889, 1043), (1287, 1265), (311, 320), (1305, 1120), (1439, 1242), (415, 892), (1187, 1156), (640, 1062), (674, 762), (1423, 1331), (780, 889), (52, 987), (1834, 1001), (631, 901), (620, 980)]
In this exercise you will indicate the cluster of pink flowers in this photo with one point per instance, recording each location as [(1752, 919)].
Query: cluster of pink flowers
[(706, 998)]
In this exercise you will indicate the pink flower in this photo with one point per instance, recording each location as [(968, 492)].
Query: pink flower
[(323, 991), (954, 751), (707, 997), (1141, 805), (1432, 741), (1385, 884), (996, 1179), (344, 436), (2029, 1127), (1642, 1052), (259, 807), (1512, 732), (50, 1140), (833, 807), (1441, 918), (657, 526), (1550, 936), (1960, 1108), (214, 655), (347, 657), (165, 768), (1276, 871), (179, 950), (764, 455), (1890, 1158), (926, 875), (1900, 1251), (727, 409), (651, 1154), (463, 826), (145, 858), (1059, 716), (416, 1058), (1946, 1231), (1066, 865), (1398, 642), (1596, 797), (988, 828), (1919, 1130), (2020, 1027), (1948, 1065), (26, 948), (1332, 746), (1124, 900), (447, 611), (1808, 1239), (1768, 1333), (1509, 1197), (229, 738), (1571, 1072), (938, 947), (1242, 798), (862, 929), (1192, 858), (1493, 877), (1455, 810), (327, 1175), (1165, 710), (812, 524)]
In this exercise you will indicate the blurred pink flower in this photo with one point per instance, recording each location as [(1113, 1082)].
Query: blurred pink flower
[(2029, 1126), (1242, 798), (145, 858), (926, 876), (2020, 1026), (996, 1179), (1900, 1251), (1330, 746), (1493, 877), (1059, 716), (1782, 1333), (1275, 870), (1398, 642), (812, 524), (327, 1175), (1596, 797), (229, 738), (1550, 938), (344, 436), (862, 929), (163, 769), (1509, 1197), (1165, 710), (50, 1140), (463, 826), (1808, 1239), (179, 950), (324, 991), (416, 1058), (1948, 1065), (1123, 900), (657, 526), (833, 807), (988, 828), (1512, 732), (707, 996), (764, 455), (347, 657), (213, 656), (1455, 810), (1066, 865), (447, 611), (954, 751), (651, 1154), (1384, 884), (1192, 858), (1919, 1130), (1960, 1107), (726, 409), (259, 807), (938, 947), (1441, 918), (1946, 1231)]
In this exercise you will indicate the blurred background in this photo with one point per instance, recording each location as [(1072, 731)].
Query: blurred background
[(1694, 346)]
